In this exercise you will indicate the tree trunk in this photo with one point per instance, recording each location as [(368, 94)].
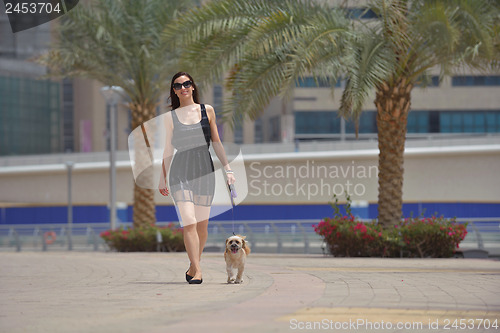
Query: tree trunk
[(144, 203), (393, 104)]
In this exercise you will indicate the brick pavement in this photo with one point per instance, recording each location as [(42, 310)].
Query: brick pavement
[(146, 292)]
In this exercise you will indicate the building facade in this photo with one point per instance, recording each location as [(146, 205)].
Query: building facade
[(40, 116)]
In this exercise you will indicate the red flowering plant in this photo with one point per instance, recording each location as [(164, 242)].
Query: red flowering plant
[(421, 237), (145, 239), (435, 237), (346, 236)]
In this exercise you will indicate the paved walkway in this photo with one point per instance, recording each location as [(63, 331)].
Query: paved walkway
[(146, 292)]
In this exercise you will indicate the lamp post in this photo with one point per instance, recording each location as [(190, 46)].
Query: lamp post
[(69, 167), (113, 95)]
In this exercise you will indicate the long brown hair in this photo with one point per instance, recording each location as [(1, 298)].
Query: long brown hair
[(173, 97)]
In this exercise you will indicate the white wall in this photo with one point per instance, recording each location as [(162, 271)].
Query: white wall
[(444, 174)]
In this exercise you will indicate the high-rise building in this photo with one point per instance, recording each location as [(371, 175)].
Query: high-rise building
[(46, 116), (30, 107)]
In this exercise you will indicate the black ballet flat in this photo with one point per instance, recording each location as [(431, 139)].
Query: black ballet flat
[(188, 277), (195, 281)]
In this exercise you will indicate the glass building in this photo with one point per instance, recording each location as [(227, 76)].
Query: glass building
[(29, 116)]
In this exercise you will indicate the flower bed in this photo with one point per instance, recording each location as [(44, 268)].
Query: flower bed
[(434, 237), (145, 239)]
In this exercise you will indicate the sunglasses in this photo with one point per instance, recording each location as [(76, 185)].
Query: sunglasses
[(185, 84)]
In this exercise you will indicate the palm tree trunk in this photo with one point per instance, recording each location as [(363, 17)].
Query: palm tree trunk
[(144, 203), (144, 207), (393, 104)]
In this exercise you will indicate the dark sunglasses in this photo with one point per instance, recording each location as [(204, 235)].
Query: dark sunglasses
[(185, 84)]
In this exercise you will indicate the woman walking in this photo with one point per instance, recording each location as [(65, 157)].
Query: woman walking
[(190, 128)]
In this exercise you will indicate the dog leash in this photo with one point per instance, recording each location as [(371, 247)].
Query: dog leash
[(232, 195)]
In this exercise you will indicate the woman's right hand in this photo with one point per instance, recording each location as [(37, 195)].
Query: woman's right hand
[(162, 187)]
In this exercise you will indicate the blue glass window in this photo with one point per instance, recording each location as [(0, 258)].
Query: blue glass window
[(259, 130), (360, 13), (367, 123), (316, 122), (311, 82), (275, 129), (492, 122), (470, 80), (433, 82), (418, 122), (30, 116), (479, 121)]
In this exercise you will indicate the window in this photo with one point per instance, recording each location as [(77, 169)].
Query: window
[(316, 122), (29, 116), (311, 82), (360, 13), (429, 81), (367, 123), (275, 129), (418, 122), (479, 121), (217, 98), (258, 129), (238, 131), (68, 117), (469, 80)]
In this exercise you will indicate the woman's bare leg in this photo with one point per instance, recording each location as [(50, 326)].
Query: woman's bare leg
[(202, 214), (202, 229), (191, 238)]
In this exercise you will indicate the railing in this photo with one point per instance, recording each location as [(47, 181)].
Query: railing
[(52, 237), (483, 234), (276, 236)]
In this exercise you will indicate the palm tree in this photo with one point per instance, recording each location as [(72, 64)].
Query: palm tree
[(266, 45), (118, 42)]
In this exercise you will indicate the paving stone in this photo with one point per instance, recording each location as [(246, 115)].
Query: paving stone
[(147, 292)]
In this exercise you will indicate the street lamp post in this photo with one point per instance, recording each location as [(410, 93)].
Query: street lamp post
[(113, 95), (69, 167)]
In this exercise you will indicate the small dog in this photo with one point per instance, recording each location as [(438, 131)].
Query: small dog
[(235, 255)]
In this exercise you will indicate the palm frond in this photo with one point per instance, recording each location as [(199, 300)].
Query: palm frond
[(118, 42), (372, 62), (393, 24), (451, 34), (265, 44), (213, 36)]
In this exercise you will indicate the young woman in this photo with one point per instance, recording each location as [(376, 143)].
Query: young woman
[(190, 127)]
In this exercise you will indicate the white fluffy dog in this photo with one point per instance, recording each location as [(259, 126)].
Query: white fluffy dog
[(235, 255)]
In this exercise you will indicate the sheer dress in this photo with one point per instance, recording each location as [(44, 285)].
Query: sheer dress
[(192, 175)]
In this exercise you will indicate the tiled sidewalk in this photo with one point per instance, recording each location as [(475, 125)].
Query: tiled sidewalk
[(146, 292)]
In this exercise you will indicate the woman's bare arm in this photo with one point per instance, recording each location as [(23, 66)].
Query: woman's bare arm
[(167, 154), (217, 144)]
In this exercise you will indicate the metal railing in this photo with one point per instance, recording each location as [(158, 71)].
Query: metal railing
[(483, 234), (52, 237), (276, 236)]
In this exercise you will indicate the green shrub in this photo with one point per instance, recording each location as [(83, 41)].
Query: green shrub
[(144, 239), (347, 237), (433, 237)]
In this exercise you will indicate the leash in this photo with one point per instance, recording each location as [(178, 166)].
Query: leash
[(232, 195)]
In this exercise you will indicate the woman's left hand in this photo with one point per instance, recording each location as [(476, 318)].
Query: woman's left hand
[(230, 178)]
